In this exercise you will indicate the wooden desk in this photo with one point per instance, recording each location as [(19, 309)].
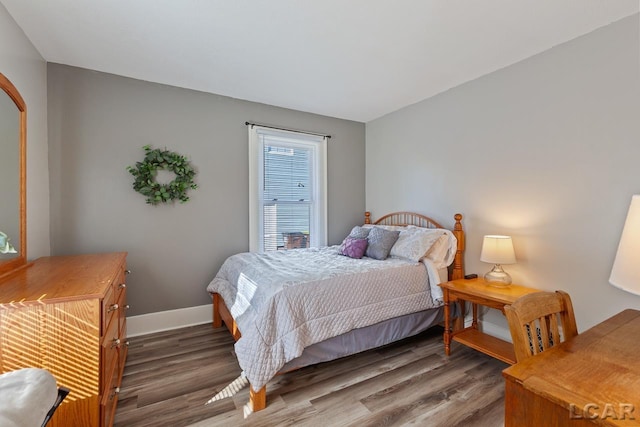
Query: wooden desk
[(478, 292), (593, 378)]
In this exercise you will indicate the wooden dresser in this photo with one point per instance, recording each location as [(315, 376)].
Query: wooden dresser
[(66, 314)]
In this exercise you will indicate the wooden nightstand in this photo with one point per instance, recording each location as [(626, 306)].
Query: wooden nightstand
[(478, 292)]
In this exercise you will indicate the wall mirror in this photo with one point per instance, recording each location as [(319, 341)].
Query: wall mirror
[(13, 172)]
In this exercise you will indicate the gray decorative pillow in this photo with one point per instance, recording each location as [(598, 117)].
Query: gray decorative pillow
[(359, 232), (380, 242)]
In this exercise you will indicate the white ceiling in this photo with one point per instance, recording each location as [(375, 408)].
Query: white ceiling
[(351, 59)]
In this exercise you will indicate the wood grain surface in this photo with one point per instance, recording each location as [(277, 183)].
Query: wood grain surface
[(169, 376)]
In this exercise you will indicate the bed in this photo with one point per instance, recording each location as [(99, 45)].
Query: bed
[(295, 308)]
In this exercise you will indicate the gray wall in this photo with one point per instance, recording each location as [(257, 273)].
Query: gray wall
[(21, 63), (545, 150), (98, 124)]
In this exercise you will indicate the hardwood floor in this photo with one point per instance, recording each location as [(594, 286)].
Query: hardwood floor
[(170, 375)]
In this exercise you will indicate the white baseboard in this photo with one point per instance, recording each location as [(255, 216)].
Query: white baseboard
[(167, 320)]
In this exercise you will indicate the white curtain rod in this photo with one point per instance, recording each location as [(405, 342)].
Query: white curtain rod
[(290, 130)]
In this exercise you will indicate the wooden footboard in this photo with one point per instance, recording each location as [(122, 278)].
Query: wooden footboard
[(257, 399), (221, 314)]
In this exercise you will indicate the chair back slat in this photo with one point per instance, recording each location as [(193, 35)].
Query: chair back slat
[(555, 329), (534, 338)]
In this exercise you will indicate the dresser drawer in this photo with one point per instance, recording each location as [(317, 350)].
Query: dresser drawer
[(111, 342), (122, 310), (111, 305), (120, 284), (110, 375), (109, 309), (111, 391), (122, 325)]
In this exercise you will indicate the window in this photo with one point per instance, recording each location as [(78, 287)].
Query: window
[(287, 182)]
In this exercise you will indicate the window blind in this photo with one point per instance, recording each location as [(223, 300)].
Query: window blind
[(287, 194)]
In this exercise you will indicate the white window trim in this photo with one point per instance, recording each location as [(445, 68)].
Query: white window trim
[(319, 238)]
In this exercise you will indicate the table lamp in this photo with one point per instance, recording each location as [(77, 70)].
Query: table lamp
[(498, 250), (625, 273)]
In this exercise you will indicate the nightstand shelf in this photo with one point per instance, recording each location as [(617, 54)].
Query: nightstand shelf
[(494, 347), (478, 292)]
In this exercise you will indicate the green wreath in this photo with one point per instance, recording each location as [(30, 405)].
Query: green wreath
[(145, 173)]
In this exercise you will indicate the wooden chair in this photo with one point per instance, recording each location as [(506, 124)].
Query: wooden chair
[(534, 321)]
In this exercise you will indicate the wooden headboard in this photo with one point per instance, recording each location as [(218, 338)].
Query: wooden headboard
[(411, 218)]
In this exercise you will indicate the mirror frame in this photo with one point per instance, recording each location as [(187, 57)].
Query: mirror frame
[(21, 260)]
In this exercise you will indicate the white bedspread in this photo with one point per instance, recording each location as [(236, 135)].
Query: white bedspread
[(286, 300)]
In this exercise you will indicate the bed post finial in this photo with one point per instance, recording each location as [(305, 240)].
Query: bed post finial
[(458, 267), (458, 225), (367, 217)]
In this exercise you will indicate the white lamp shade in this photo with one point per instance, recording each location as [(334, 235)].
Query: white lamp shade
[(498, 250), (625, 273)]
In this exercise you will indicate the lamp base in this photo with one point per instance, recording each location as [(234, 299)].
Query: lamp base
[(498, 277)]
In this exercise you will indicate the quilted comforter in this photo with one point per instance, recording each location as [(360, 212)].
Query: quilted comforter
[(285, 301)]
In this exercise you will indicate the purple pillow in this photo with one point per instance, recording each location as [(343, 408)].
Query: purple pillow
[(353, 248)]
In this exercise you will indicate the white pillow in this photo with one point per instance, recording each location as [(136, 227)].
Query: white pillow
[(438, 251), (414, 242), (443, 251)]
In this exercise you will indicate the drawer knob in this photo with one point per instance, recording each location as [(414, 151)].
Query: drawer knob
[(127, 307), (122, 285), (127, 272), (113, 307), (126, 343), (115, 343)]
